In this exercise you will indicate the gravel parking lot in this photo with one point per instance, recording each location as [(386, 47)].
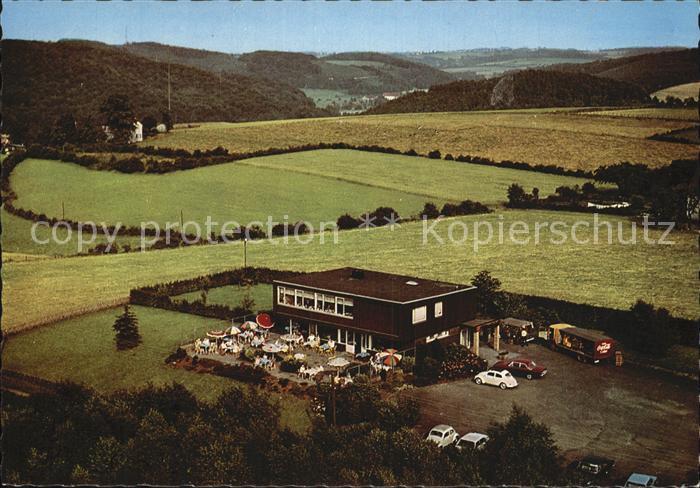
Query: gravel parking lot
[(646, 421)]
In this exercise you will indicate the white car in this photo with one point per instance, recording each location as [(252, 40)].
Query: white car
[(502, 379), (442, 435), (472, 440), (640, 480)]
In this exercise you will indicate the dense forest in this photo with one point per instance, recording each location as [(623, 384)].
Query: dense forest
[(651, 71), (523, 89), (42, 81)]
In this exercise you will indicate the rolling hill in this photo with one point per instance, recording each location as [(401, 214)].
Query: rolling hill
[(522, 89), (44, 80), (651, 71), (355, 73), (490, 62)]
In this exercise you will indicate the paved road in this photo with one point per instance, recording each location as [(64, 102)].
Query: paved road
[(646, 421)]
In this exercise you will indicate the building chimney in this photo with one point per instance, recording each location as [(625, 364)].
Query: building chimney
[(357, 274)]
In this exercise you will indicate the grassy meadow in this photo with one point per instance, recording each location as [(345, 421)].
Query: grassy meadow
[(686, 90), (566, 137), (82, 350), (668, 114), (227, 192), (17, 239), (232, 296), (612, 275), (315, 186)]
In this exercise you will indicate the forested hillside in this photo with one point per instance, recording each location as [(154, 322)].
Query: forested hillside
[(523, 89), (42, 81), (651, 71)]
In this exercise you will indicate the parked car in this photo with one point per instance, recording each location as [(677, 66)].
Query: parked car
[(640, 480), (521, 367), (442, 435), (592, 470), (472, 440), (502, 379)]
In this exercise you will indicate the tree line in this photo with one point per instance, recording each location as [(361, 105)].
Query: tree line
[(166, 436)]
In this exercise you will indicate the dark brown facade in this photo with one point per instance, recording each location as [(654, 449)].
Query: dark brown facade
[(404, 311)]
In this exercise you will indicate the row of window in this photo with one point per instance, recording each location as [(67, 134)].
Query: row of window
[(334, 305), (420, 314), (318, 302)]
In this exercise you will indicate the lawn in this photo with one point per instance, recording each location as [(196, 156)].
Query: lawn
[(232, 296), (82, 350), (564, 137), (612, 275), (315, 186), (17, 238)]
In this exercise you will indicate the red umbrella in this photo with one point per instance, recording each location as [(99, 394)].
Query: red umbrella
[(392, 359), (264, 321)]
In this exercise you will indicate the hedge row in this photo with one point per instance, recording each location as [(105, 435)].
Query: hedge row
[(183, 159), (603, 318), (159, 296), (672, 136)]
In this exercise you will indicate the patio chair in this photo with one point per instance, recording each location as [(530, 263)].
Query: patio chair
[(310, 342)]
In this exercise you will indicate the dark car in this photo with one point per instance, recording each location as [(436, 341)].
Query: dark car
[(591, 470), (521, 367)]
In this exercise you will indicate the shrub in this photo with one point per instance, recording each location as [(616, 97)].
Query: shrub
[(383, 216), (435, 154), (242, 372), (178, 355), (291, 365), (460, 362), (430, 211), (347, 221)]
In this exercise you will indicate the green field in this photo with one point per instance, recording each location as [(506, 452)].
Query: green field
[(612, 275), (323, 98), (564, 137), (232, 296), (315, 186), (17, 238), (227, 192), (82, 350)]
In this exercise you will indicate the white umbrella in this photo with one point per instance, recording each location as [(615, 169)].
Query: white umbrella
[(338, 362), (249, 325), (234, 330), (289, 337)]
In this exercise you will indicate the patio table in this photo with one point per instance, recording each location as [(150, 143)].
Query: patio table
[(271, 348)]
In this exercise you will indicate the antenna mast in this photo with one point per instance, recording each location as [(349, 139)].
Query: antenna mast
[(168, 87)]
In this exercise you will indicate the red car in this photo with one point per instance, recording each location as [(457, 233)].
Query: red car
[(521, 367)]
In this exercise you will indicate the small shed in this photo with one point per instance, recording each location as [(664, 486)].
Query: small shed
[(512, 329)]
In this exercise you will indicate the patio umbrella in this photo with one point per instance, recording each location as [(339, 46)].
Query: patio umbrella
[(249, 325), (338, 362), (216, 334), (264, 321), (234, 330), (391, 359)]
